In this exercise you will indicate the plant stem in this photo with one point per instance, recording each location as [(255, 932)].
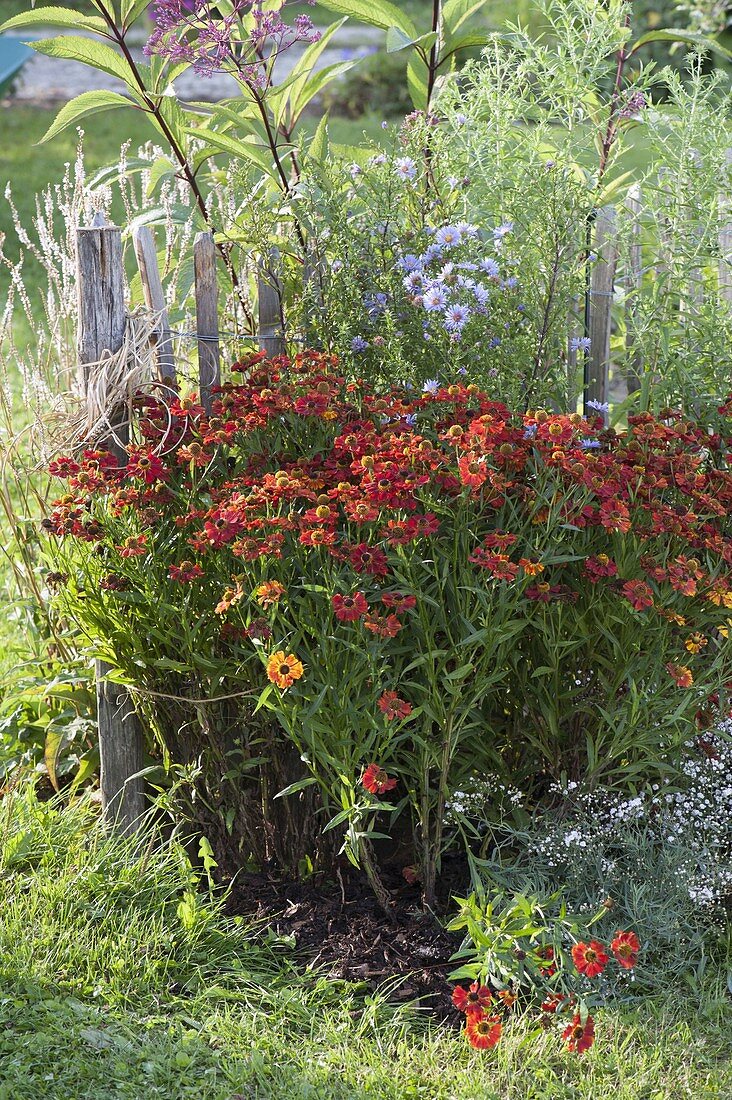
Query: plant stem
[(433, 63), (274, 149), (382, 894), (179, 154), (611, 130)]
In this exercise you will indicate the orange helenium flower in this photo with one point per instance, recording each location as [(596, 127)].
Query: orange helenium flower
[(481, 1031), (680, 674), (283, 669), (269, 593)]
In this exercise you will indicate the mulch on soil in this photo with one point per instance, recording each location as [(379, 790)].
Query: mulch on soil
[(339, 928)]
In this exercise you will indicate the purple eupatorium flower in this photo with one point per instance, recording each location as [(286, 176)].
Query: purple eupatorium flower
[(198, 34)]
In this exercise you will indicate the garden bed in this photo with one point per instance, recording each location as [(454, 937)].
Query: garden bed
[(339, 928)]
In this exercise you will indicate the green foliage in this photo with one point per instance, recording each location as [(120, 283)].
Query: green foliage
[(662, 855), (117, 1000), (47, 723), (523, 943), (537, 135), (523, 575)]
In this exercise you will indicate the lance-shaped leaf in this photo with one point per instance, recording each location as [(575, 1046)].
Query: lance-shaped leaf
[(689, 37), (314, 86), (131, 10), (223, 143), (457, 12), (377, 13), (417, 81), (55, 17), (88, 103), (95, 54), (397, 40)]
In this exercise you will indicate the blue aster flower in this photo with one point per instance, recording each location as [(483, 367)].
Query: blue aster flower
[(435, 298), (490, 267), (449, 236), (410, 263), (456, 316)]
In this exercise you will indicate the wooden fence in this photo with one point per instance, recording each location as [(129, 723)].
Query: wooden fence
[(102, 325)]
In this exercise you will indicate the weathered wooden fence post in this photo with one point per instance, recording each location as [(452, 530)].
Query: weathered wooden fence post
[(602, 278), (271, 332), (207, 316), (102, 322), (152, 289), (725, 235), (633, 284)]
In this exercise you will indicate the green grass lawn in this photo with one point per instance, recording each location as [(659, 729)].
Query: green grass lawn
[(118, 980)]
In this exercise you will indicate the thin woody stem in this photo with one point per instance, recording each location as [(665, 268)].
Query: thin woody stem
[(180, 156), (433, 62), (611, 130)]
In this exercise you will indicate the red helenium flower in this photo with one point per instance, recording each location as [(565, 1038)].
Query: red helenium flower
[(349, 608), (397, 601), (625, 947), (184, 573), (393, 707), (580, 1036), (474, 999), (590, 958), (481, 1031), (638, 594), (376, 780)]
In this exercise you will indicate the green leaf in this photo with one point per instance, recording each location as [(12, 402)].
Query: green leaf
[(690, 37), (300, 785), (222, 143), (315, 85), (318, 148), (467, 41), (397, 40), (88, 103), (55, 17), (162, 168), (131, 10), (88, 767), (51, 752), (457, 12), (95, 54), (304, 68), (377, 13), (417, 81)]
